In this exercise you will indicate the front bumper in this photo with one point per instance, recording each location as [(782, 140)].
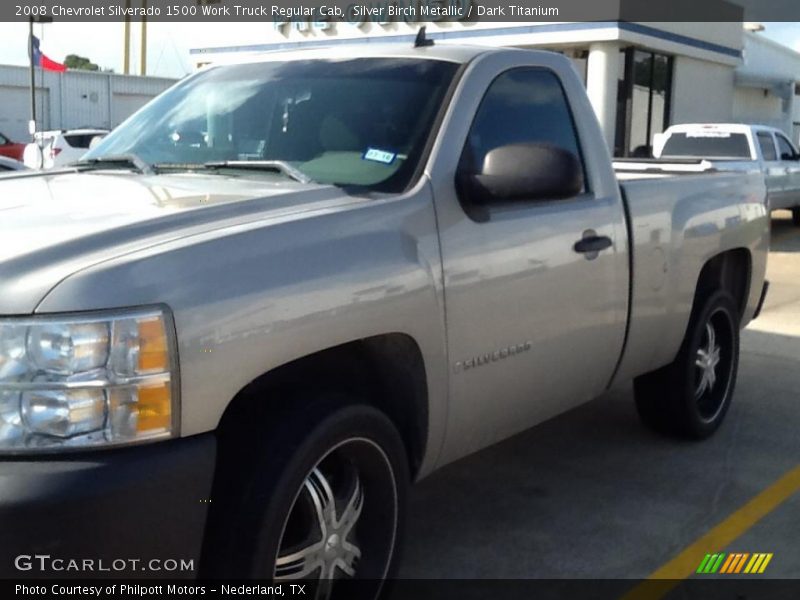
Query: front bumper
[(134, 504)]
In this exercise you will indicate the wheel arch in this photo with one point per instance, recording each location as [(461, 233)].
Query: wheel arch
[(387, 371), (730, 270)]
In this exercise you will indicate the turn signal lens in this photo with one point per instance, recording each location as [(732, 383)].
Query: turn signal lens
[(153, 352), (155, 409)]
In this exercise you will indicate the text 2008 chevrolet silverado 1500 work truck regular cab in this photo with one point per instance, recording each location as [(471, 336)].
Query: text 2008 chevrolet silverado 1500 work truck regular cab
[(294, 285)]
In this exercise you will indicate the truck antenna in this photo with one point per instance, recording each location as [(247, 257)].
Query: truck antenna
[(422, 41)]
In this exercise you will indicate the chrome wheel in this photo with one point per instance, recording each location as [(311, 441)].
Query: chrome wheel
[(708, 357), (690, 397), (332, 551), (312, 493), (713, 365), (343, 521)]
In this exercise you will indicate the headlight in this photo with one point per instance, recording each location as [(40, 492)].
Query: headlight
[(70, 382)]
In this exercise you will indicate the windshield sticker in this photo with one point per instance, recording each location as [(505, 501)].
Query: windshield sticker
[(381, 156)]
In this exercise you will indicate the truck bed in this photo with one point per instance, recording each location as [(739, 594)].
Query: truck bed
[(675, 224)]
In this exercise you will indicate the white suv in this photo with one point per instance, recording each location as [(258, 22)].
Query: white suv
[(60, 147)]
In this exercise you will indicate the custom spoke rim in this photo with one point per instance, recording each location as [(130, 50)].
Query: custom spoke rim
[(330, 504), (331, 550), (713, 365)]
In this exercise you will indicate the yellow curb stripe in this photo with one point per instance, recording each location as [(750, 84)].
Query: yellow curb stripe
[(669, 575)]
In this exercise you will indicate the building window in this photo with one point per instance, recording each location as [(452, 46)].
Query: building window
[(643, 100)]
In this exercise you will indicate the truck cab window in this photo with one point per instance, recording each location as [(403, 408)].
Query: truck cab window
[(767, 145), (523, 105), (707, 144), (786, 149)]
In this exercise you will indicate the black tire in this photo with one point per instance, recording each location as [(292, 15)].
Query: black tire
[(796, 217), (682, 399), (271, 482)]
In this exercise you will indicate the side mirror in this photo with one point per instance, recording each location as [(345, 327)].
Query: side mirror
[(524, 172)]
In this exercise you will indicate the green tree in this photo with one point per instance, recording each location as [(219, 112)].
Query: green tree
[(73, 61)]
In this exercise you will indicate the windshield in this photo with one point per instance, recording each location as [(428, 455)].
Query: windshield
[(711, 144), (361, 122)]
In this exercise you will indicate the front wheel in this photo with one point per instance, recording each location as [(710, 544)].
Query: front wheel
[(796, 216), (690, 397), (319, 500)]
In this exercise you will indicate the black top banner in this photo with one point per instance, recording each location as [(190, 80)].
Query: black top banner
[(410, 11)]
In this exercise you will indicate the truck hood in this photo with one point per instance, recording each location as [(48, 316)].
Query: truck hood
[(52, 225)]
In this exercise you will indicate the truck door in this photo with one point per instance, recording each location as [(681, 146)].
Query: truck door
[(534, 326), (774, 169), (790, 161)]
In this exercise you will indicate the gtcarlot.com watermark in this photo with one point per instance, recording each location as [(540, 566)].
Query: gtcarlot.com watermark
[(45, 563)]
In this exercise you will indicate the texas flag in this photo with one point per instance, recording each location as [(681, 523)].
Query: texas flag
[(40, 60)]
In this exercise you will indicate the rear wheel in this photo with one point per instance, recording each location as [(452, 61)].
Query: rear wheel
[(691, 396), (318, 499)]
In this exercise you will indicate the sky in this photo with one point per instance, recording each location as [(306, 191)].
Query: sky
[(168, 44)]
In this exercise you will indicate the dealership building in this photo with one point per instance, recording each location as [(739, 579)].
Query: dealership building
[(640, 77)]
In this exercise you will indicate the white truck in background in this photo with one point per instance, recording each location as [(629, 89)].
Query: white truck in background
[(738, 147)]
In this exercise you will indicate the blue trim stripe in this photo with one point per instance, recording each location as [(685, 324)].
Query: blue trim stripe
[(681, 39), (478, 33)]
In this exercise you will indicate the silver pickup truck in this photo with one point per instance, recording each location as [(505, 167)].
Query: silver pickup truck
[(238, 329)]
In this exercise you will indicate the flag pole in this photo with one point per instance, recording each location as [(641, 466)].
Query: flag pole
[(32, 123)]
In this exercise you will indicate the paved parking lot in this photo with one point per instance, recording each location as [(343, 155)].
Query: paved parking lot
[(592, 494)]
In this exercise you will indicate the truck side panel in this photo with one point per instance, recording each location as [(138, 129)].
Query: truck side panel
[(678, 224), (253, 297)]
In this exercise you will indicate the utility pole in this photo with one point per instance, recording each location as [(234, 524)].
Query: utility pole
[(143, 55), (126, 63), (126, 60)]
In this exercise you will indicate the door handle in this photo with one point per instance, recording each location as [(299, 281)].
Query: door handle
[(592, 244)]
